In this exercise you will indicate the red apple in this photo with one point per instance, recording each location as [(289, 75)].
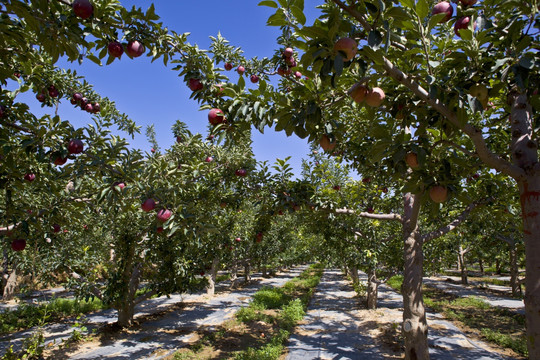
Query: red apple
[(238, 239), (75, 146), (438, 193), (228, 66), (30, 177), (291, 61), (216, 116), (148, 205), (18, 244), (115, 49), (288, 52), (179, 139), (53, 92), (120, 185), (135, 49), (41, 97), (56, 228), (89, 108), (59, 160), (153, 150), (96, 108), (462, 23), (336, 187), (467, 2), (195, 84), (163, 215), (77, 97), (412, 160), (259, 237), (159, 230), (384, 190), (240, 70), (241, 172), (326, 143), (298, 74), (347, 47), (375, 97), (358, 92), (209, 159), (443, 7), (254, 78), (83, 8)]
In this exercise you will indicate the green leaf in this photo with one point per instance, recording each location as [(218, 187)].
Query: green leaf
[(338, 64), (278, 19), (375, 39), (408, 3), (422, 8), (94, 59), (298, 14), (268, 3)]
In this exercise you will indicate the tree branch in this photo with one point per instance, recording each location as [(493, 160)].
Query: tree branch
[(446, 229), (144, 297), (390, 216), (93, 289)]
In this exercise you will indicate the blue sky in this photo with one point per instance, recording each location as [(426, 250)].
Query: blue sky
[(150, 93)]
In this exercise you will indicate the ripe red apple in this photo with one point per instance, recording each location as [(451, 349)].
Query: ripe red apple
[(56, 228), (238, 239), (370, 210), (159, 230), (59, 160), (83, 102), (210, 137), (254, 78), (216, 116), (153, 150), (75, 146), (259, 237), (336, 187), (438, 193), (83, 8), (326, 143), (115, 49), (476, 176), (148, 205), (240, 70), (119, 185), (412, 160), (241, 172), (77, 97), (18, 244), (347, 46), (195, 84), (462, 23), (468, 2), (135, 49), (209, 159), (443, 7), (163, 215), (291, 61), (96, 108), (358, 92), (288, 52), (41, 97), (375, 97), (53, 92), (298, 74), (228, 66), (366, 180), (89, 108), (30, 177)]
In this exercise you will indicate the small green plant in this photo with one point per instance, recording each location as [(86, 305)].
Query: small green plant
[(395, 282), (32, 347), (291, 313)]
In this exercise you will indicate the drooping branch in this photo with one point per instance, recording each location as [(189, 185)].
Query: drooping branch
[(145, 296), (454, 224)]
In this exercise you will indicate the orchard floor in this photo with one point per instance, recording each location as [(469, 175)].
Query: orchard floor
[(337, 326)]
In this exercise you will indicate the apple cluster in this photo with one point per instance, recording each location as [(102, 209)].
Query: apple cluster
[(162, 215), (373, 97), (254, 78), (444, 7), (133, 48), (289, 62), (51, 90), (79, 100)]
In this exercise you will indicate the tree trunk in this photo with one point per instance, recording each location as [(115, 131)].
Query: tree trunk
[(481, 264), (463, 265), (264, 271), (372, 289), (11, 284), (414, 314), (498, 269), (211, 287), (234, 274), (247, 272), (514, 272), (354, 275), (128, 281)]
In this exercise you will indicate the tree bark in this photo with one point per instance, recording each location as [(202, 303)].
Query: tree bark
[(414, 315), (11, 284), (458, 262), (514, 271), (264, 271), (481, 264), (463, 265), (211, 287), (354, 275), (234, 274), (498, 267), (372, 289), (247, 272)]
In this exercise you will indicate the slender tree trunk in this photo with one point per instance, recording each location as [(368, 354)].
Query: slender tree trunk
[(247, 271), (354, 275), (463, 265), (414, 314), (128, 282), (498, 266), (211, 287), (458, 262), (264, 271), (11, 284), (372, 289), (234, 274), (514, 271), (481, 264)]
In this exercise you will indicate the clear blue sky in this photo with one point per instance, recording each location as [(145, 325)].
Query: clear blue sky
[(152, 94)]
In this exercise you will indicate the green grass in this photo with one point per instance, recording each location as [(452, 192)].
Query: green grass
[(27, 316), (500, 326)]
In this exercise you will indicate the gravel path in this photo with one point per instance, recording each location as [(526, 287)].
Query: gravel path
[(159, 337), (334, 328), (466, 291)]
